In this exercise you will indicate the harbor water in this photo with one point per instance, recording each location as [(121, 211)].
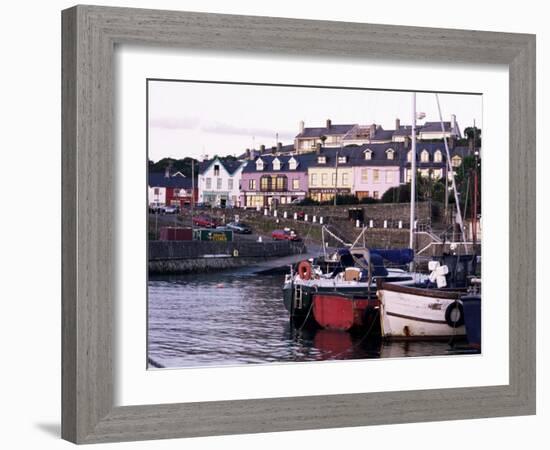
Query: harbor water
[(237, 317)]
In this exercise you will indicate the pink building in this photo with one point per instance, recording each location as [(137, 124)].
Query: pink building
[(273, 179), (374, 181)]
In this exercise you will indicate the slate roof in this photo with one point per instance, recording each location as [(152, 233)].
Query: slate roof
[(304, 161), (434, 127), (285, 149), (324, 131), (159, 179), (230, 165)]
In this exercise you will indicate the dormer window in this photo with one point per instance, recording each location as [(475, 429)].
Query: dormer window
[(321, 159), (259, 164), (390, 153), (424, 156), (276, 164), (368, 154), (438, 156), (342, 159), (456, 161), (292, 164)]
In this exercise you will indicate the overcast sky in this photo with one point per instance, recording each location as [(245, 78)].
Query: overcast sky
[(196, 119)]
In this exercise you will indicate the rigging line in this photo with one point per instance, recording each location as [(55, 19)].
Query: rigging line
[(450, 169)]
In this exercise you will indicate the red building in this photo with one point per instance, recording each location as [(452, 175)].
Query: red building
[(167, 188)]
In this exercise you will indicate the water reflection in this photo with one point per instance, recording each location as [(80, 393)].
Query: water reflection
[(238, 318)]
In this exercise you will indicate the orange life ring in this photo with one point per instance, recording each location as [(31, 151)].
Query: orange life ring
[(304, 270)]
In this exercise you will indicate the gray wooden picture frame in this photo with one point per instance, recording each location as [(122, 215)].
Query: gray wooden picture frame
[(90, 34)]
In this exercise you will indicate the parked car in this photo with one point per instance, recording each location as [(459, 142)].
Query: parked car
[(155, 207), (171, 209), (204, 221), (285, 235), (239, 227)]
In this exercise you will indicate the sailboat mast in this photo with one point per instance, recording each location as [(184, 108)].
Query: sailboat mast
[(413, 170), (451, 172)]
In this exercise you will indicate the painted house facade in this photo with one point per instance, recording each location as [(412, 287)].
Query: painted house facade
[(272, 179), (167, 188), (330, 136), (376, 168), (330, 173), (219, 182)]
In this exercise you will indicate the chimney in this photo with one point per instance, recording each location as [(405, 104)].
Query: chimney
[(453, 123), (247, 153), (319, 149), (302, 126), (372, 130), (407, 142), (279, 146), (329, 123), (262, 148), (274, 150), (397, 124)]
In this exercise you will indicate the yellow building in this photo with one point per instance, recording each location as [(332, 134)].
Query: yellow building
[(328, 176)]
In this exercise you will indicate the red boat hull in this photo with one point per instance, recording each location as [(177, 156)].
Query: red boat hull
[(341, 312)]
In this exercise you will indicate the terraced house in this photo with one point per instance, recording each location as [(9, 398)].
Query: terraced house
[(219, 182), (330, 173), (275, 179)]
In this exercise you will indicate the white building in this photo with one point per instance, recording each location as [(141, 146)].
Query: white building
[(219, 182)]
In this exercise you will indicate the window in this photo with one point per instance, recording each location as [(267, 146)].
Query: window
[(368, 154), (456, 161), (292, 164), (438, 156), (314, 179), (156, 191), (276, 164), (252, 185), (375, 195), (424, 156), (216, 170), (209, 183), (409, 156), (218, 183), (324, 179), (296, 184), (437, 174), (389, 176), (390, 153), (342, 159), (265, 183), (364, 175), (281, 183), (321, 159), (376, 176), (259, 164), (230, 184), (344, 179)]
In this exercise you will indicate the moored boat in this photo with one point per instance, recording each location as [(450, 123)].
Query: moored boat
[(352, 277), (337, 311), (420, 312), (472, 319)]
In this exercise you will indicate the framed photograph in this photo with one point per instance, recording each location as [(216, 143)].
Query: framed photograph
[(265, 230)]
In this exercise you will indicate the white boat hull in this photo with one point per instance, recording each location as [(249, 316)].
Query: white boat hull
[(406, 315)]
